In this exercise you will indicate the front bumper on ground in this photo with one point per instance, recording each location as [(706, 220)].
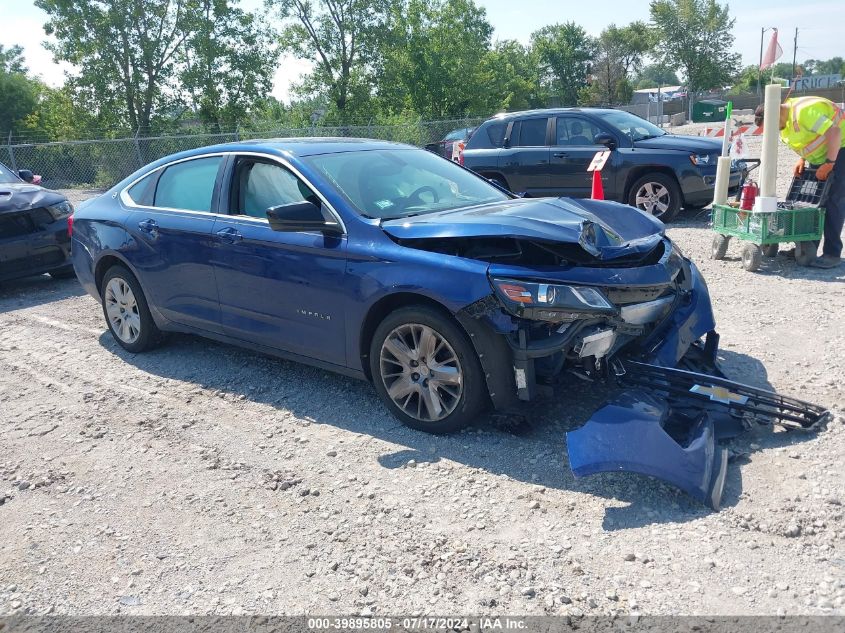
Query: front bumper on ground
[(669, 423)]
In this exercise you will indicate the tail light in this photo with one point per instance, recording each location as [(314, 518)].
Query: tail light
[(70, 225), (461, 146)]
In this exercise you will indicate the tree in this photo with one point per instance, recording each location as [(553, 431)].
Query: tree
[(512, 76), (228, 63), (18, 93), (18, 98), (12, 61), (655, 75), (619, 52), (341, 37), (61, 114), (125, 49), (565, 52), (435, 58), (832, 66), (696, 36)]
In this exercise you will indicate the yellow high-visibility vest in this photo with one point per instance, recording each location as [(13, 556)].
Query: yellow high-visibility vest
[(809, 118)]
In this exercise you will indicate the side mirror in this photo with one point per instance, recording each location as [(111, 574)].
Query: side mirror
[(301, 217), (603, 138), (26, 175)]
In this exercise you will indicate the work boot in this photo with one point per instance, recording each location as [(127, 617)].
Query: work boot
[(826, 261)]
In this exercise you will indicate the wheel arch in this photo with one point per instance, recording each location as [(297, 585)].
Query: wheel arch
[(105, 262), (384, 306)]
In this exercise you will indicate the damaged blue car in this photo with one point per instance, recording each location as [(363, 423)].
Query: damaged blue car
[(448, 293)]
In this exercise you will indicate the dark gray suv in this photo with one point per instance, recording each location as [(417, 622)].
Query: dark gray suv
[(546, 153)]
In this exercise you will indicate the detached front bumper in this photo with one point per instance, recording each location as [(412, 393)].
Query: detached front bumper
[(669, 423)]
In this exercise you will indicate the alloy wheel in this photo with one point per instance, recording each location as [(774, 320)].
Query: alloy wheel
[(421, 372), (122, 310), (653, 198)]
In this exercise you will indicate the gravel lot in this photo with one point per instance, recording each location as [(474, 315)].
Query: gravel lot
[(199, 478)]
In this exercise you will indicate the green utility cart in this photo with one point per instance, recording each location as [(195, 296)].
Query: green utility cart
[(800, 219)]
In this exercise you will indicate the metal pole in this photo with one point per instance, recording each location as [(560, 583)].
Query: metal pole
[(138, 148), (12, 154), (794, 52)]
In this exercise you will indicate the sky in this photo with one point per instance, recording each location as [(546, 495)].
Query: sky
[(821, 28)]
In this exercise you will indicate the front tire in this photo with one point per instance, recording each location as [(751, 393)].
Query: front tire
[(656, 194), (126, 311), (426, 371)]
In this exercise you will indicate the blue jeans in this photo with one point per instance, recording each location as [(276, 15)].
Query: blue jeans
[(834, 216)]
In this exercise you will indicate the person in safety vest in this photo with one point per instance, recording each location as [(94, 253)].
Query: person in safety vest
[(814, 128)]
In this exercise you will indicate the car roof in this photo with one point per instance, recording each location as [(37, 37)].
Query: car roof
[(507, 116), (303, 146)]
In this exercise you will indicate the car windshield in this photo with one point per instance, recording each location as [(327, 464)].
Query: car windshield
[(632, 125), (397, 183), (6, 175)]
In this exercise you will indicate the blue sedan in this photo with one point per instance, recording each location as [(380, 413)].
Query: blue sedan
[(385, 262), (392, 264)]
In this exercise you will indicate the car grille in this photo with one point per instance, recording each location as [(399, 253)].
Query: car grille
[(24, 222), (16, 224), (46, 258)]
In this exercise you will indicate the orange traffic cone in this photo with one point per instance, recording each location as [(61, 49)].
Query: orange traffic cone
[(598, 188)]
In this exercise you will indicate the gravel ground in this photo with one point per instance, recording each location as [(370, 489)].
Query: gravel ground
[(200, 478)]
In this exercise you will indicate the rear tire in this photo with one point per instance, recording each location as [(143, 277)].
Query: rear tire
[(658, 195), (426, 370), (126, 311)]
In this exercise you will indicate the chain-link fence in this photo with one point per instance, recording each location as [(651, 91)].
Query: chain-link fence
[(102, 163)]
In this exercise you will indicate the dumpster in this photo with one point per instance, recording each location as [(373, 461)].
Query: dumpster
[(709, 110)]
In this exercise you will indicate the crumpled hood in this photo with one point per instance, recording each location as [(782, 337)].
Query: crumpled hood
[(680, 142), (23, 196), (607, 229)]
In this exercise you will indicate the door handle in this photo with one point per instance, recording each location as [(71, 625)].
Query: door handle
[(150, 227), (560, 154), (229, 235)]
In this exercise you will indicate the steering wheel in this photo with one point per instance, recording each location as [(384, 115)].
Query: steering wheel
[(416, 195)]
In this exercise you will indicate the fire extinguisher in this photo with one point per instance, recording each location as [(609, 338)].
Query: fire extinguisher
[(749, 194)]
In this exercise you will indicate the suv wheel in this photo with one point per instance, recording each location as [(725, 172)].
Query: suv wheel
[(426, 371), (657, 194)]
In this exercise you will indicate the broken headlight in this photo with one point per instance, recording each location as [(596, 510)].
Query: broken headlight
[(551, 302)]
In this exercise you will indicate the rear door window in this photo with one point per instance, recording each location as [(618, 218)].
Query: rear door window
[(532, 133), (496, 133), (142, 191), (188, 185)]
